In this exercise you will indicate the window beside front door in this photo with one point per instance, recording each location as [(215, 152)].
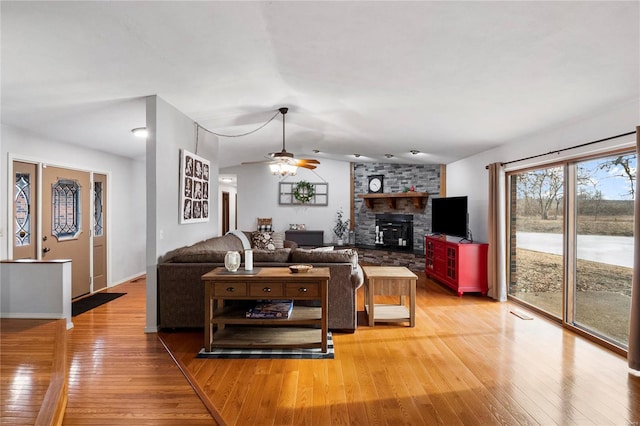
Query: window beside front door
[(22, 213), (98, 225)]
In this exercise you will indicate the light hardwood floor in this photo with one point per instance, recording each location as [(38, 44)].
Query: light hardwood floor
[(116, 374), (467, 361)]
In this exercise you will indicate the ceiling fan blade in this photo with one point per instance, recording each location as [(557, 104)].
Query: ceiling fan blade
[(307, 166), (309, 160), (259, 162)]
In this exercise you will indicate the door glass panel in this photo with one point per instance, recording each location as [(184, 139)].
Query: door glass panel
[(536, 238), (605, 199), (22, 213), (65, 218), (97, 210)]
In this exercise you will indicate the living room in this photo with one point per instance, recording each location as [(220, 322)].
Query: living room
[(491, 81), (143, 180), (143, 186)]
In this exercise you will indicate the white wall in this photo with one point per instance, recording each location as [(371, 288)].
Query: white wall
[(258, 197), (169, 132), (469, 176), (126, 207)]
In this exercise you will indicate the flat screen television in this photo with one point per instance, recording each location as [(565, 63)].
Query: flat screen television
[(449, 216)]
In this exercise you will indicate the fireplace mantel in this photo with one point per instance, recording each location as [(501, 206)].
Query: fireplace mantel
[(419, 198)]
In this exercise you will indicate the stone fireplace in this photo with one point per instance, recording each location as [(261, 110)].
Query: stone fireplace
[(397, 178)]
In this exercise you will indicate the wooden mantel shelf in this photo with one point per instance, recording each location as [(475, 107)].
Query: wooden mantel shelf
[(419, 198)]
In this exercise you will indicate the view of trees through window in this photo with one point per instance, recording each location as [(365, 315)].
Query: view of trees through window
[(537, 218), (596, 291)]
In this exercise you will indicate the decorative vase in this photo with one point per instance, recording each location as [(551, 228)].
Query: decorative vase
[(232, 261), (340, 241)]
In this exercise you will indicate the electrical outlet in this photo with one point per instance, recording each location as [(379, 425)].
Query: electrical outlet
[(1, 232)]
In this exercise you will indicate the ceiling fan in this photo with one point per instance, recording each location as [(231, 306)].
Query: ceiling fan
[(283, 162)]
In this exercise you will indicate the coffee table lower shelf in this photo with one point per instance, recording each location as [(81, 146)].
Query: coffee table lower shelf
[(269, 337)]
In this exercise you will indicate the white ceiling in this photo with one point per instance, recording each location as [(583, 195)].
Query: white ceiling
[(449, 79)]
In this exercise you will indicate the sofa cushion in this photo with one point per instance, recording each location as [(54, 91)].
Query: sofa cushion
[(278, 255), (324, 248), (221, 244), (335, 256), (199, 256), (262, 240)]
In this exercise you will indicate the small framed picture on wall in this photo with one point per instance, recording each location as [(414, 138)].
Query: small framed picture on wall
[(194, 188)]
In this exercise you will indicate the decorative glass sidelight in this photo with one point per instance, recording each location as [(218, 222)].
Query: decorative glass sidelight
[(65, 218), (98, 226), (22, 212)]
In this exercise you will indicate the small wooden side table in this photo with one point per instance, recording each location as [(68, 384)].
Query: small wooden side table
[(390, 281)]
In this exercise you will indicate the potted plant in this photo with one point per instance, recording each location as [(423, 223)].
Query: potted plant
[(341, 226)]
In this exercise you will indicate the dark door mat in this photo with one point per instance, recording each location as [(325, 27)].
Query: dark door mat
[(83, 305)]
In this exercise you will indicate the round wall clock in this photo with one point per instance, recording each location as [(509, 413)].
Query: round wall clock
[(376, 183)]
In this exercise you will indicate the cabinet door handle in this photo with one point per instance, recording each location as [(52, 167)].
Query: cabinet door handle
[(302, 289), (231, 289), (267, 290)]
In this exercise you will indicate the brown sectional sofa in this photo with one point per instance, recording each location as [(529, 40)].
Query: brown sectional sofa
[(181, 293)]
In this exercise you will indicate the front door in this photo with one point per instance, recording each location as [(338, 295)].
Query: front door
[(66, 222), (99, 231)]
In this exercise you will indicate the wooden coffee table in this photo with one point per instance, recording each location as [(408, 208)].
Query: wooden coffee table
[(305, 328), (390, 281)]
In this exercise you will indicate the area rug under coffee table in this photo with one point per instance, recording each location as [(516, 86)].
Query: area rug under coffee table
[(266, 353)]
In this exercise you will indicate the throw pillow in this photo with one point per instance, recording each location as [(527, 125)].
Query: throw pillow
[(278, 239), (262, 240)]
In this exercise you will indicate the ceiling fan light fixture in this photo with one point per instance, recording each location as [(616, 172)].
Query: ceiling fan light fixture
[(283, 163), (283, 169), (140, 132), (356, 155)]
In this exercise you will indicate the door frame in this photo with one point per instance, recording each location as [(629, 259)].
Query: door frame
[(40, 164)]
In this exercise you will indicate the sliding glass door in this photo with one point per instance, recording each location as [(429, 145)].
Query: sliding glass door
[(604, 246), (536, 219), (571, 242)]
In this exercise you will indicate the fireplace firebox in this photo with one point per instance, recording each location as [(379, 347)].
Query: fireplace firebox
[(394, 231)]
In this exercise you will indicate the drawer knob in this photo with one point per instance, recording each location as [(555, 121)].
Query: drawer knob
[(267, 290), (231, 289), (302, 289)]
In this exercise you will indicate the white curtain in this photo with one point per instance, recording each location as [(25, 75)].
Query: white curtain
[(633, 353), (497, 269)]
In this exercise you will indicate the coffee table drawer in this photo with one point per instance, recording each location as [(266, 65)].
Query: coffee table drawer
[(306, 289), (266, 290), (230, 289)]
